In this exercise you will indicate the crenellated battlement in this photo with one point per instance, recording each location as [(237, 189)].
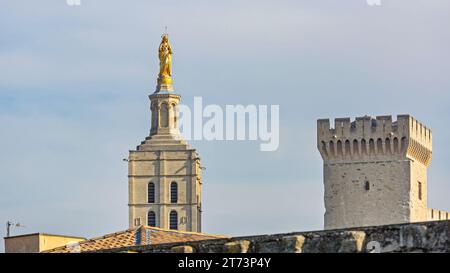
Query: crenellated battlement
[(379, 138)]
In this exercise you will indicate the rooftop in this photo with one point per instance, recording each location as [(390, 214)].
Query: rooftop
[(143, 235), (42, 234)]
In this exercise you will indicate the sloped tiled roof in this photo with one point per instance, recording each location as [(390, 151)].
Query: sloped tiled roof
[(132, 237)]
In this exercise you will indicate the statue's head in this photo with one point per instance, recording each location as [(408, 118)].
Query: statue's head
[(165, 38)]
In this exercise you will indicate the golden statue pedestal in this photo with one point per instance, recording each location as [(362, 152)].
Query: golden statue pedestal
[(164, 83)]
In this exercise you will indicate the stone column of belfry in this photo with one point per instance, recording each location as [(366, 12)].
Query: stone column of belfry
[(164, 171)]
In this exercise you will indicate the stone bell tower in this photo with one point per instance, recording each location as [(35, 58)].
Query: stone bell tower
[(164, 173)]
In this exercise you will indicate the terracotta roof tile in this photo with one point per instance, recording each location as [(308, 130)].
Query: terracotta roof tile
[(133, 237)]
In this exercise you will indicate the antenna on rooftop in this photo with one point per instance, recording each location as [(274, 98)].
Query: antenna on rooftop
[(10, 224)]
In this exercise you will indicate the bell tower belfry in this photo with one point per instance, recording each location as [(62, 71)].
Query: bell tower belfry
[(164, 173)]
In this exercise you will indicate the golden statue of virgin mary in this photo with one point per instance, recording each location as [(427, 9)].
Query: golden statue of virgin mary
[(165, 64)]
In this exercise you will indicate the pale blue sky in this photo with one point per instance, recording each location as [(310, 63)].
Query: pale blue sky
[(73, 100)]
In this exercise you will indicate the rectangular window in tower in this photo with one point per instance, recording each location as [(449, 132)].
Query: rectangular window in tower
[(173, 192), (151, 192), (419, 184), (137, 222), (173, 220)]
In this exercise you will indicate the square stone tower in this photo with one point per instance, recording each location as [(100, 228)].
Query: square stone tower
[(164, 173), (375, 170)]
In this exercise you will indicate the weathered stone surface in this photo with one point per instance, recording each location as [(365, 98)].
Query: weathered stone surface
[(293, 244), (237, 246), (416, 237), (275, 243), (353, 242), (182, 249)]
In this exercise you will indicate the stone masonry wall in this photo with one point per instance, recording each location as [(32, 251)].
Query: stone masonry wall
[(375, 170), (367, 194), (417, 237)]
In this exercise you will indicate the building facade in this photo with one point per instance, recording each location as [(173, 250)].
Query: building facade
[(375, 171), (38, 242), (164, 172)]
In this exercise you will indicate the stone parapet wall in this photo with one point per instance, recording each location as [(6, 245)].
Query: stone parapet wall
[(414, 237), (374, 139), (435, 215)]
